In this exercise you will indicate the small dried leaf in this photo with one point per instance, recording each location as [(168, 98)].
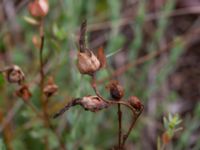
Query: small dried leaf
[(31, 20), (102, 57)]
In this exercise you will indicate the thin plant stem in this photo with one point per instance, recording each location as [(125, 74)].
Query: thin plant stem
[(131, 127), (136, 114), (93, 84), (41, 30), (44, 101), (120, 125)]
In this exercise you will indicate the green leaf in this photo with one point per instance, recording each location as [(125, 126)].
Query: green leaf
[(1, 80), (2, 145)]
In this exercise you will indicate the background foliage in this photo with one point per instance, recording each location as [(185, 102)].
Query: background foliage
[(165, 33)]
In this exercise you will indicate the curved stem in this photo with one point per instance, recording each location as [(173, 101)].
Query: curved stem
[(93, 84), (131, 127), (136, 114)]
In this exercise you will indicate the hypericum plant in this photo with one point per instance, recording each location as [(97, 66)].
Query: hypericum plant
[(88, 63), (171, 124), (38, 9)]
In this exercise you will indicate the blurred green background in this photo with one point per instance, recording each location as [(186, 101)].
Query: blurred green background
[(165, 33)]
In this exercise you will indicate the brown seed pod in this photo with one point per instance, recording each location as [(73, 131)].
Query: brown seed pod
[(38, 8), (51, 88), (90, 103), (93, 103), (116, 90), (14, 74), (24, 93), (88, 63), (135, 102)]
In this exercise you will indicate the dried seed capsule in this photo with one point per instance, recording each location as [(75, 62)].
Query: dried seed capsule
[(93, 103), (116, 90), (51, 88), (90, 103), (38, 8), (135, 102), (14, 74), (24, 93), (88, 63)]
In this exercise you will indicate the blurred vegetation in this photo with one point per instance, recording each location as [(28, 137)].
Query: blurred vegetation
[(128, 30)]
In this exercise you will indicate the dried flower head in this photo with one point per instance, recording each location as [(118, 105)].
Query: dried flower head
[(24, 93), (135, 102), (88, 63), (116, 90), (51, 88), (38, 8), (14, 74)]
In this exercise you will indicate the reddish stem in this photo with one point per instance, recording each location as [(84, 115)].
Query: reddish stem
[(120, 125), (131, 127)]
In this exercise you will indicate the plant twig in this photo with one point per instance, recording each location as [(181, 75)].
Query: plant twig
[(44, 102), (120, 125), (134, 111), (93, 84), (70, 104), (125, 136)]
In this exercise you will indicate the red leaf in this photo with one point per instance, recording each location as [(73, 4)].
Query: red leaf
[(101, 56)]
